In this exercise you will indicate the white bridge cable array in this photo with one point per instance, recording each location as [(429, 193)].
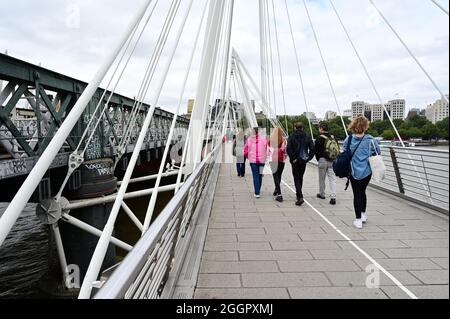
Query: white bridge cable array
[(297, 58), (280, 67), (138, 104), (102, 246), (24, 194), (433, 82), (333, 91), (220, 78), (149, 75), (151, 206), (81, 155), (377, 93)]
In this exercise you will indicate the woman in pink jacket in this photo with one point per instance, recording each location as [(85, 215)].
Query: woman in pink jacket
[(255, 151)]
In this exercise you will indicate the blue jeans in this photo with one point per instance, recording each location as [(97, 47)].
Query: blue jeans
[(257, 170)]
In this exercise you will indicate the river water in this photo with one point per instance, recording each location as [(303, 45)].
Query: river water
[(23, 256)]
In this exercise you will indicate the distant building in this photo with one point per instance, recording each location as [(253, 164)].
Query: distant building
[(438, 111), (414, 112), (330, 115), (359, 108), (396, 109), (219, 108), (376, 112), (348, 113)]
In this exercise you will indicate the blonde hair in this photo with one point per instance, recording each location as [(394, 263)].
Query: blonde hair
[(359, 125)]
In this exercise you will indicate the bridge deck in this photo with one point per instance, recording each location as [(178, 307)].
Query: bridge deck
[(264, 249)]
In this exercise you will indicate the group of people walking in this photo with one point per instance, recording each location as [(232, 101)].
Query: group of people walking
[(300, 149)]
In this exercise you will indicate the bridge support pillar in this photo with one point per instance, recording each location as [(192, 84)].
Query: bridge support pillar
[(97, 180)]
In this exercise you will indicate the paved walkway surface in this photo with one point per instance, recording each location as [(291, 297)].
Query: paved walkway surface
[(261, 249)]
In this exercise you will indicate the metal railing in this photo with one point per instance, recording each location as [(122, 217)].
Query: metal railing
[(144, 272), (418, 174)]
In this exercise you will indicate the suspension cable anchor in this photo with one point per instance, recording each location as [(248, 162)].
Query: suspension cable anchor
[(50, 211)]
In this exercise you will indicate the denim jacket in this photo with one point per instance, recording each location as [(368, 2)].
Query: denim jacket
[(360, 162)]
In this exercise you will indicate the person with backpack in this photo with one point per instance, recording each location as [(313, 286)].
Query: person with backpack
[(301, 151), (327, 150), (358, 148), (277, 158), (255, 151)]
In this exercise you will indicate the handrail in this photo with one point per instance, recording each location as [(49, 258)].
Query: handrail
[(137, 261), (407, 176)]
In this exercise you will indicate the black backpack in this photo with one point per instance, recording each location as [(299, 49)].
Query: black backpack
[(342, 166)]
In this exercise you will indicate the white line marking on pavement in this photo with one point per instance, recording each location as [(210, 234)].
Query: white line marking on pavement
[(373, 261)]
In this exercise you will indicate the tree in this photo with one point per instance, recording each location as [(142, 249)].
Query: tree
[(417, 121), (389, 135), (415, 132), (430, 132), (404, 133), (443, 127), (381, 126)]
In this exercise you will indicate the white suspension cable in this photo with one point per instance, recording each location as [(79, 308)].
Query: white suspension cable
[(22, 197), (280, 66), (107, 87), (148, 76), (409, 51), (224, 76), (102, 246), (186, 146), (299, 68), (118, 81), (325, 67), (262, 35), (266, 108), (363, 65), (217, 86), (153, 199), (367, 73), (440, 6), (150, 72), (206, 75), (272, 73)]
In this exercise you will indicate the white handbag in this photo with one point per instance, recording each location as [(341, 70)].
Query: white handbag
[(377, 165)]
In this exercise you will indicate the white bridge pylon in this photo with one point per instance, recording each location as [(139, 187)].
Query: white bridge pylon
[(223, 80)]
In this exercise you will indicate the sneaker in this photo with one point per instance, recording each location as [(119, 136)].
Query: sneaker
[(257, 196), (364, 218), (279, 199), (275, 194), (333, 201), (300, 202), (320, 196), (358, 223)]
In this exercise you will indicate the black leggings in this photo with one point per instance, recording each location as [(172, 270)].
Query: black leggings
[(360, 196), (277, 170)]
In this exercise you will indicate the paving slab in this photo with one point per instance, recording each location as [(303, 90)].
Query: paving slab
[(262, 249)]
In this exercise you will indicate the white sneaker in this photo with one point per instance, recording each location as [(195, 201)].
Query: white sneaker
[(364, 218), (257, 196), (358, 223)]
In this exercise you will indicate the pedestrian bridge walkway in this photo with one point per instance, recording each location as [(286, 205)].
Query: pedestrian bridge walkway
[(259, 248)]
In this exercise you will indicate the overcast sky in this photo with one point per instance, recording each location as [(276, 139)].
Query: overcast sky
[(48, 32)]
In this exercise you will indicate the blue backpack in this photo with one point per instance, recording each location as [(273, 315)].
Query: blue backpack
[(342, 166)]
